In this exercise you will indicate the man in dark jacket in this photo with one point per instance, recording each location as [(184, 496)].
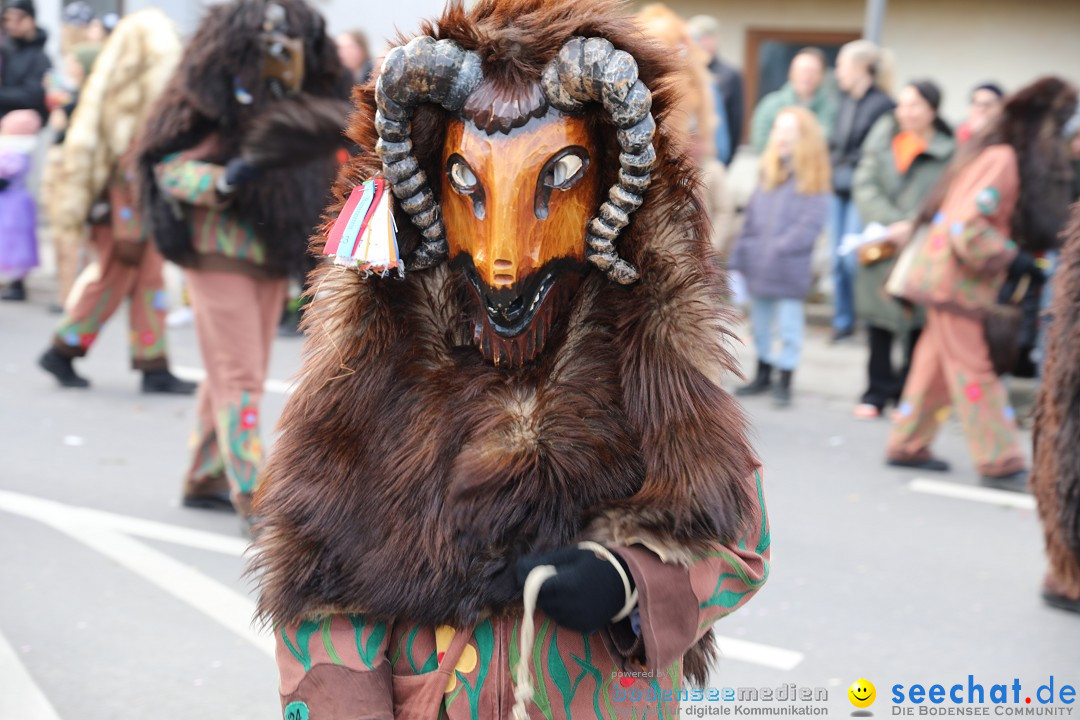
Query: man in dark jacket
[(727, 87), (23, 62), (862, 102)]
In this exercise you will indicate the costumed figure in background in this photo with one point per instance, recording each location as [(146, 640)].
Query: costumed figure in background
[(236, 163), (96, 185), (994, 206), (1055, 478), (513, 472)]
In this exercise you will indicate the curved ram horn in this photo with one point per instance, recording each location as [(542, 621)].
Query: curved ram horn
[(592, 70), (423, 71)]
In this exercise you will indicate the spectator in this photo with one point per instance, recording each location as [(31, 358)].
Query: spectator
[(783, 221), (353, 51), (728, 84), (987, 100), (18, 213), (23, 62), (902, 159), (991, 200), (860, 74), (695, 116), (805, 88)]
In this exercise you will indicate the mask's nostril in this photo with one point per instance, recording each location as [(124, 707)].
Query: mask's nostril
[(503, 265)]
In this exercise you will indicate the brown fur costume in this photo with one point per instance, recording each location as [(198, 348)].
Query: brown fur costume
[(1056, 475), (285, 203), (410, 475)]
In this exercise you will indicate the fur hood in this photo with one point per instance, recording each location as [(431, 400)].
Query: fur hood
[(126, 79), (1056, 474), (410, 475), (222, 61)]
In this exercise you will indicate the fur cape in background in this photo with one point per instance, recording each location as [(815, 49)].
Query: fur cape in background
[(285, 203), (1032, 123), (410, 475), (129, 74), (1056, 475)]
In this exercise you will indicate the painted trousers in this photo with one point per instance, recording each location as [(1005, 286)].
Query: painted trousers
[(952, 366), (236, 319), (100, 290)]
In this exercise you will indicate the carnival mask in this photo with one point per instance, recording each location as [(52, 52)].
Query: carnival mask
[(516, 206), (283, 55), (519, 178)]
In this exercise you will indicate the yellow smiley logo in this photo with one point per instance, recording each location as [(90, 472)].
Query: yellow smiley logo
[(862, 693)]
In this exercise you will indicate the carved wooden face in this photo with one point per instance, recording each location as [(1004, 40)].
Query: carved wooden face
[(515, 207)]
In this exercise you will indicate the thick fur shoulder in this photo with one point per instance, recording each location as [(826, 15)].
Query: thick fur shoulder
[(1056, 473)]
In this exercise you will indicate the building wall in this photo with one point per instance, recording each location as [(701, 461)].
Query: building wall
[(377, 19), (958, 43)]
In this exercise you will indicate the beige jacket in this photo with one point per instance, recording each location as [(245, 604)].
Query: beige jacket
[(133, 68)]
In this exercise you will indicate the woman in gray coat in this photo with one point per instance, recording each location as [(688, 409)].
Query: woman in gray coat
[(783, 221), (902, 159)]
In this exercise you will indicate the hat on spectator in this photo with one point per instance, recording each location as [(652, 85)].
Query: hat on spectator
[(78, 13), (27, 6)]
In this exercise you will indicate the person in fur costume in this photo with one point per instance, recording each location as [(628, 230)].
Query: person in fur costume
[(235, 166), (1055, 477), (990, 210), (512, 475), (96, 186)]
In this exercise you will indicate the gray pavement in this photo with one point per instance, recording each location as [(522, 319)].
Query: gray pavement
[(109, 618)]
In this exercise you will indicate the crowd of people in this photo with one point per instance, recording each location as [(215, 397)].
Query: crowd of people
[(220, 154), (889, 165)]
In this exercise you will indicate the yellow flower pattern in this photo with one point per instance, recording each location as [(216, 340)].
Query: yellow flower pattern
[(465, 664)]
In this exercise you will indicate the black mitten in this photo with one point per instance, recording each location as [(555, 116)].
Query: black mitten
[(586, 592), (238, 172), (1025, 264)]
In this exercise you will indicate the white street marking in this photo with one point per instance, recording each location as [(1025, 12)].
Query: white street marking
[(44, 510), (758, 654), (93, 528), (1022, 501), (194, 374), (218, 602), (21, 698)]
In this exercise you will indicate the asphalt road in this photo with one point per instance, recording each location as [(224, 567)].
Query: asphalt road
[(141, 610)]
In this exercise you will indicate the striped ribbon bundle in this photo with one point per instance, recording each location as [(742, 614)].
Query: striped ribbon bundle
[(364, 235)]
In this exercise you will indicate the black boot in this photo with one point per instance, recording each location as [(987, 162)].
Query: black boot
[(61, 368), (15, 291), (761, 383), (782, 392), (163, 381)]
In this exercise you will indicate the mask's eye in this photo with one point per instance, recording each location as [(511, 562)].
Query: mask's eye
[(462, 177), (560, 172), (464, 181), (566, 169)]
